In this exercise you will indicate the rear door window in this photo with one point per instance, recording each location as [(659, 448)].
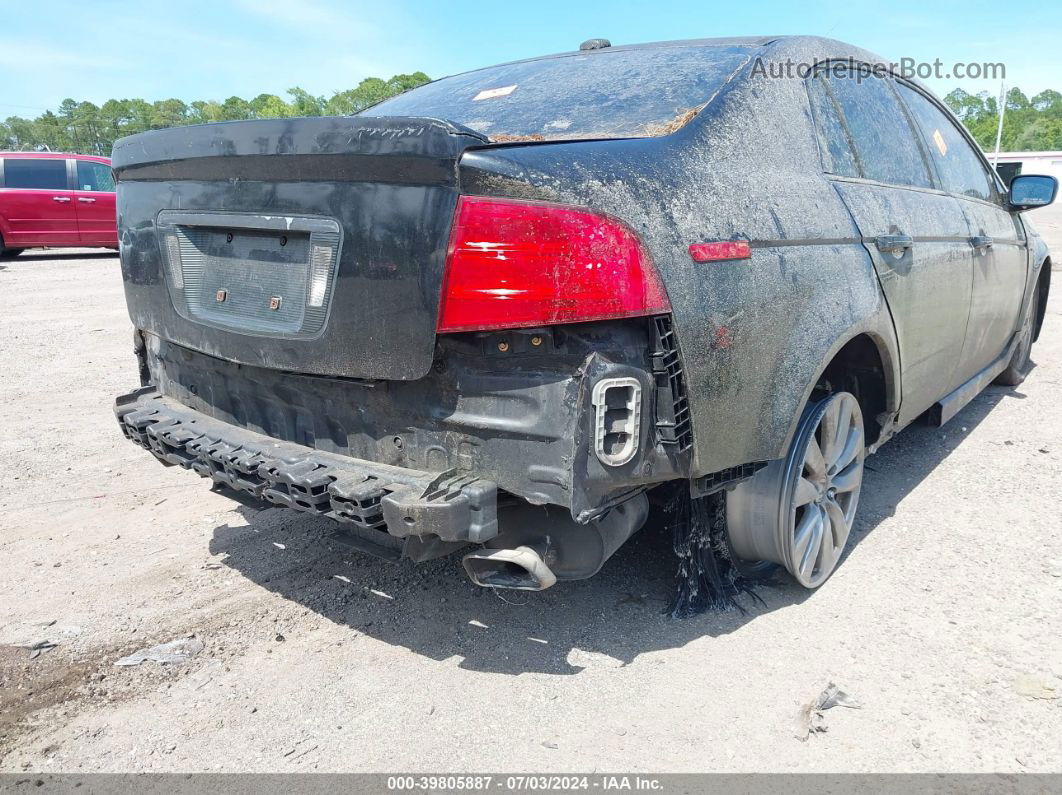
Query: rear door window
[(613, 93), (887, 147), (833, 138), (35, 174), (960, 169), (94, 176)]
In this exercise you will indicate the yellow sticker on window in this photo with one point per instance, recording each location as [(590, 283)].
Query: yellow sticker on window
[(491, 93), (938, 139)]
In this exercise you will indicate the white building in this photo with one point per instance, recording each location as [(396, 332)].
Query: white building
[(1031, 162), (1047, 220)]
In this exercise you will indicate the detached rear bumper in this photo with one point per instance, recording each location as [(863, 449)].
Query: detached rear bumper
[(375, 500)]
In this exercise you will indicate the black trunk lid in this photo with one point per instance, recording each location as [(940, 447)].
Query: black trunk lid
[(314, 245)]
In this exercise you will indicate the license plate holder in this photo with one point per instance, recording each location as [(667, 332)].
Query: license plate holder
[(258, 275)]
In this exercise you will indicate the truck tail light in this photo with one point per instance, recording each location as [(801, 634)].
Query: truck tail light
[(515, 264)]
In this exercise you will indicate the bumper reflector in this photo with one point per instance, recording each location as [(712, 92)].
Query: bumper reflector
[(720, 250)]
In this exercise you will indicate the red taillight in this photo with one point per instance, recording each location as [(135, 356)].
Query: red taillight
[(514, 264)]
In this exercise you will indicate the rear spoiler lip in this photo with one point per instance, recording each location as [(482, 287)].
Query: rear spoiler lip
[(393, 169), (409, 136)]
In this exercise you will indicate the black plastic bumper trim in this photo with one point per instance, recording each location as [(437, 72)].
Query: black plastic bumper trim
[(403, 502)]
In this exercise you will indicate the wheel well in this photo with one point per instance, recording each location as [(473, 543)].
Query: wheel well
[(1043, 285), (858, 368)]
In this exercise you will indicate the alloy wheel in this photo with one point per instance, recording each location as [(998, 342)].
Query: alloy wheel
[(798, 512)]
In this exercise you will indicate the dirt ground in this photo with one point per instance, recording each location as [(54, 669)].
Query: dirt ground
[(943, 622)]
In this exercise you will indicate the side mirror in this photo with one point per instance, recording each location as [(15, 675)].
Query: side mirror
[(1029, 191)]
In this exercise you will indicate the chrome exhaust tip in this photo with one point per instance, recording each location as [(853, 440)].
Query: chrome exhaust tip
[(521, 569)]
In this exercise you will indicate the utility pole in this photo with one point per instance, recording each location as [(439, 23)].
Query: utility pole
[(999, 129)]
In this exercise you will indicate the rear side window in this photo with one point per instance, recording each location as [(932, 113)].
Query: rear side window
[(887, 147), (959, 167), (94, 176), (35, 173), (833, 139), (601, 94)]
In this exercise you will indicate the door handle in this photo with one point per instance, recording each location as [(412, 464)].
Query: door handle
[(981, 243), (86, 200), (60, 198), (894, 244)]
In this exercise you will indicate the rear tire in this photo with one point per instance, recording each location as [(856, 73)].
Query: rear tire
[(1020, 364), (798, 512)]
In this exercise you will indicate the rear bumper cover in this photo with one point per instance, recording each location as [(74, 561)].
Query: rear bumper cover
[(371, 497)]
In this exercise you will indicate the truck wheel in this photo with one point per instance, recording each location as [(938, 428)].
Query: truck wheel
[(1019, 364), (798, 512)]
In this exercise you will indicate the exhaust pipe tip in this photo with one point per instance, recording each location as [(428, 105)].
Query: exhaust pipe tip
[(520, 569)]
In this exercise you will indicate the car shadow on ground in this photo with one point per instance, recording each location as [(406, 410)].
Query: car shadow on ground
[(433, 610), (53, 254)]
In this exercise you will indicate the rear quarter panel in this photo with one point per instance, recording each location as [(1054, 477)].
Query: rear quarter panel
[(754, 334)]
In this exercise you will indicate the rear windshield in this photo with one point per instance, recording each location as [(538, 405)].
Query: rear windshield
[(599, 94)]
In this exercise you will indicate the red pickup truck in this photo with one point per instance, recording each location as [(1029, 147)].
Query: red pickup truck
[(55, 200)]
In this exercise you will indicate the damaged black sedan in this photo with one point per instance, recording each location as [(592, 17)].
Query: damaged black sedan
[(509, 311)]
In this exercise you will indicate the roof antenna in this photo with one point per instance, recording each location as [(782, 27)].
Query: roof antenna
[(595, 44)]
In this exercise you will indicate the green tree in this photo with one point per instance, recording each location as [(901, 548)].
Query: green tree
[(401, 83), (49, 132), (270, 106), (236, 109), (370, 91), (203, 112), (83, 127), (1049, 103), (168, 113), (966, 106), (1042, 135), (18, 134), (1017, 101), (303, 103)]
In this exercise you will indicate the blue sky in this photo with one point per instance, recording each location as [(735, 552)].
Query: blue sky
[(213, 49)]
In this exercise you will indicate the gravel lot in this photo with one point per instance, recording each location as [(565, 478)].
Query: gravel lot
[(943, 622)]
